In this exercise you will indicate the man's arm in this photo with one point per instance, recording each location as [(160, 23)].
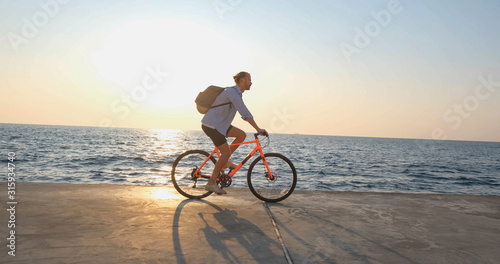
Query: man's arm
[(254, 124), (237, 101)]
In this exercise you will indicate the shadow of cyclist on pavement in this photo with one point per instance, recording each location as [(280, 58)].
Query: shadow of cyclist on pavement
[(232, 238)]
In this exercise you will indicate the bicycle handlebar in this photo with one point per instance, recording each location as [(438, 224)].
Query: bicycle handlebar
[(259, 134)]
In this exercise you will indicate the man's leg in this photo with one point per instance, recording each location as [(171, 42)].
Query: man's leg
[(239, 136), (225, 152)]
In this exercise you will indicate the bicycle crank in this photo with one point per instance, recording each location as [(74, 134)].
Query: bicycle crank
[(224, 180)]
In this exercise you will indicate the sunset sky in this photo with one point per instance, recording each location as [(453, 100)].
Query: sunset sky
[(402, 69)]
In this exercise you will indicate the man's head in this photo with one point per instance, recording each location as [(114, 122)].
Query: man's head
[(243, 80)]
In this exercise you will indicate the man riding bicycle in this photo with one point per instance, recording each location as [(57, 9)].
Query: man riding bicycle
[(217, 125)]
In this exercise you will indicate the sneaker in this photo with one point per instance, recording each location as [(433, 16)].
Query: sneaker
[(214, 188)]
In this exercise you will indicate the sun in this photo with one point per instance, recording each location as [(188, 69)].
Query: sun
[(189, 55)]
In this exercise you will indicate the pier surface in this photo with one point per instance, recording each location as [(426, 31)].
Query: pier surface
[(100, 223)]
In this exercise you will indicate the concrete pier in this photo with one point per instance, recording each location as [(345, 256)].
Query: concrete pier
[(87, 223)]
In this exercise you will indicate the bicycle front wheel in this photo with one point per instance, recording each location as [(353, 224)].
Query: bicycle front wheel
[(272, 187), (183, 173)]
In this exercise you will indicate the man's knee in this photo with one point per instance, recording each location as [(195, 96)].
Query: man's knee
[(237, 133), (242, 135)]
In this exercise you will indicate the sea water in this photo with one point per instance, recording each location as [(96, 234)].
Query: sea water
[(332, 163)]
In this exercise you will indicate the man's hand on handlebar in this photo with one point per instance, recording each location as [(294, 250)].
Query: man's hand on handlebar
[(263, 132)]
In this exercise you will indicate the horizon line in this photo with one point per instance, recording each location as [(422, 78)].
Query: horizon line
[(301, 134)]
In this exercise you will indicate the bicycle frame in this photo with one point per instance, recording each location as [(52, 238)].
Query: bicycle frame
[(258, 148)]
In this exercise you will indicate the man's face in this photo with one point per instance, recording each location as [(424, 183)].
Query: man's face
[(248, 82)]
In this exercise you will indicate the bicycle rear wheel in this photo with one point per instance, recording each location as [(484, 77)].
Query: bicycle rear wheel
[(277, 186), (183, 169)]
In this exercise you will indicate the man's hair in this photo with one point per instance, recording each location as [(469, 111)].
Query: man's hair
[(238, 76)]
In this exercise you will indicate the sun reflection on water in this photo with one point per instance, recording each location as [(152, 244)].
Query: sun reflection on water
[(162, 179), (165, 134), (166, 141)]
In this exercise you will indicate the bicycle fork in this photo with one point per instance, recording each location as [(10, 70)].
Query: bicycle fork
[(269, 174)]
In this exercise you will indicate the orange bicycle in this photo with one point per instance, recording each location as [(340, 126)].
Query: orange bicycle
[(271, 177)]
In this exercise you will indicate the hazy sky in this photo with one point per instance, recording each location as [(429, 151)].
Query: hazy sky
[(410, 69)]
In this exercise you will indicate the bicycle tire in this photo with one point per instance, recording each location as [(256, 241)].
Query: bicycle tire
[(181, 173), (269, 190)]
